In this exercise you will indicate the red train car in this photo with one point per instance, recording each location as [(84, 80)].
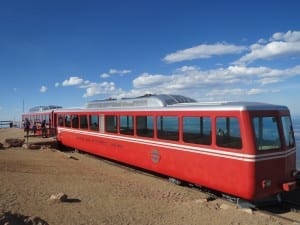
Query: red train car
[(242, 149), (37, 115)]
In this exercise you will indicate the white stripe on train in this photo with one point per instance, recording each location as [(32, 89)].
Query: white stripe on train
[(180, 147)]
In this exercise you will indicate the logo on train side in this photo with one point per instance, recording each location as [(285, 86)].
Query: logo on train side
[(155, 156)]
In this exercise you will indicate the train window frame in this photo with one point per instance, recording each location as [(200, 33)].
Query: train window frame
[(83, 122), (229, 137), (111, 124), (197, 130), (261, 130), (165, 129), (126, 124), (145, 126), (94, 122)]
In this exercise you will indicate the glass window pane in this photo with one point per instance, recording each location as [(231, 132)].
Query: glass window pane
[(75, 122), (126, 125), (94, 122), (266, 133), (111, 124), (288, 131), (83, 122), (144, 126), (228, 132), (67, 120), (167, 128), (60, 120), (197, 130)]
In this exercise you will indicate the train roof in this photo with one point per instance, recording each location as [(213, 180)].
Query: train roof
[(231, 105), (192, 106), (44, 108), (161, 100), (171, 103)]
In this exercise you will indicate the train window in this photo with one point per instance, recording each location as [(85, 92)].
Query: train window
[(197, 130), (228, 132), (266, 133), (111, 124), (67, 120), (288, 131), (126, 125), (60, 120), (94, 122), (83, 121), (144, 126), (75, 121), (167, 128)]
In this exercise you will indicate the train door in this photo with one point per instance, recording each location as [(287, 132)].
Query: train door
[(101, 123)]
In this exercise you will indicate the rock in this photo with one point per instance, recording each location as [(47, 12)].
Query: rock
[(246, 210), (226, 206), (60, 197), (34, 146), (9, 218), (34, 220), (203, 200), (15, 142), (1, 146)]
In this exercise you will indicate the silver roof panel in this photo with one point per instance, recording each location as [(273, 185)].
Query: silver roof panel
[(144, 101)]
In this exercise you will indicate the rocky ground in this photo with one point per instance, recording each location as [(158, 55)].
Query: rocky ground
[(95, 191)]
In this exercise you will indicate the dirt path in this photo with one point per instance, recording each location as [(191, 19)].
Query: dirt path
[(101, 193)]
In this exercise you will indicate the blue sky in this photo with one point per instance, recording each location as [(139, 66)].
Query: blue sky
[(69, 52)]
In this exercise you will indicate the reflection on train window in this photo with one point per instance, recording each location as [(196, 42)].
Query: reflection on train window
[(288, 131), (75, 122), (144, 126), (60, 120), (197, 130), (266, 133), (228, 132), (83, 121), (126, 125), (111, 124), (167, 128), (67, 120), (94, 122)]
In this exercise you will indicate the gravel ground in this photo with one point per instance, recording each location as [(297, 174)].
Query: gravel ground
[(100, 192)]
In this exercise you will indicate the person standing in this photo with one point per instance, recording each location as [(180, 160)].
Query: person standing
[(44, 129)]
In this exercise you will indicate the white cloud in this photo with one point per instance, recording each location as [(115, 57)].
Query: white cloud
[(114, 72), (99, 88), (203, 51), (121, 72), (146, 80), (289, 36), (104, 75), (235, 92), (72, 81), (43, 89), (280, 44), (57, 84), (216, 82)]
